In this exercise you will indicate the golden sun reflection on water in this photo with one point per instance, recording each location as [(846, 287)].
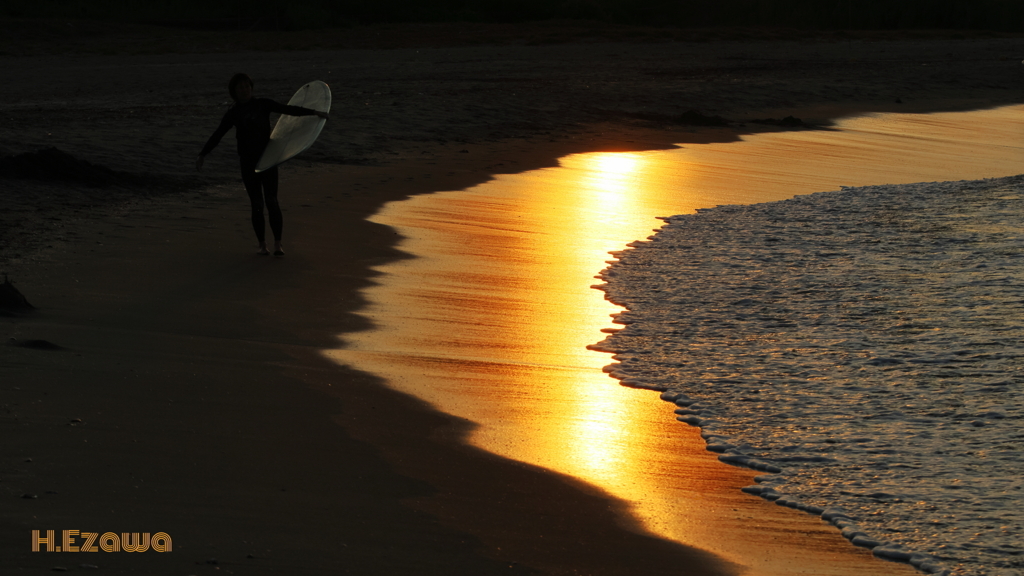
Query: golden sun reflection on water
[(492, 319)]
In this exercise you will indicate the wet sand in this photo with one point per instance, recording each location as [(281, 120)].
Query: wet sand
[(192, 396), (206, 411)]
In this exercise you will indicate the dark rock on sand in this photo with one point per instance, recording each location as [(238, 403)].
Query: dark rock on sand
[(95, 184), (11, 300), (34, 344), (688, 118), (695, 118), (53, 164), (787, 122)]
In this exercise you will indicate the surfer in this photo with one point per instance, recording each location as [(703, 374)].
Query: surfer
[(250, 117)]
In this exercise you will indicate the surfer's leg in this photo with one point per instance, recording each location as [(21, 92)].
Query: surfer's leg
[(273, 208), (254, 187)]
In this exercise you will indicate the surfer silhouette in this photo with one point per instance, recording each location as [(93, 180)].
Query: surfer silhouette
[(250, 117)]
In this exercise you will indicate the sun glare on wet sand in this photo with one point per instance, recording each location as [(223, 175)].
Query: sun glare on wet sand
[(492, 320)]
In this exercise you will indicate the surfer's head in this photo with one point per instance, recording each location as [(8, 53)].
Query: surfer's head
[(236, 81)]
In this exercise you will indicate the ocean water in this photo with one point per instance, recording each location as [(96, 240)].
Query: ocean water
[(864, 348), (492, 318)]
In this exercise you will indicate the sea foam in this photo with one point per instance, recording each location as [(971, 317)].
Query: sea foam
[(863, 348)]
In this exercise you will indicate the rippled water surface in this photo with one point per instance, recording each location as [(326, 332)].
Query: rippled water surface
[(864, 347)]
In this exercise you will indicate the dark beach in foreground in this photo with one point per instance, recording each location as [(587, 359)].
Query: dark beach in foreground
[(189, 395)]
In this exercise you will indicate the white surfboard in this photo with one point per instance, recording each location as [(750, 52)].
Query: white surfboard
[(292, 135)]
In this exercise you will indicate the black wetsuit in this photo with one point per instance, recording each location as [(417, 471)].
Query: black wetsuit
[(251, 122)]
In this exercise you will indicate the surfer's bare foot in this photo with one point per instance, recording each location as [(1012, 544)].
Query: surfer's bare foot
[(263, 249), (278, 249)]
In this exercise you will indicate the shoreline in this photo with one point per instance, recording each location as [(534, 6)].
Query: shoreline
[(206, 321), (456, 325), (282, 332)]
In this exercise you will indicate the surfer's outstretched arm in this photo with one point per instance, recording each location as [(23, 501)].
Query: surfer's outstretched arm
[(296, 110), (226, 123)]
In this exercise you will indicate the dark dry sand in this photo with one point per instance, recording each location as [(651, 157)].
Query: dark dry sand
[(206, 410)]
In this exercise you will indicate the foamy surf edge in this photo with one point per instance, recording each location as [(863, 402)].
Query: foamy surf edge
[(994, 204)]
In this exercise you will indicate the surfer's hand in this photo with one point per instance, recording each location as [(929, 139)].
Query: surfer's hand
[(199, 163), (323, 115)]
